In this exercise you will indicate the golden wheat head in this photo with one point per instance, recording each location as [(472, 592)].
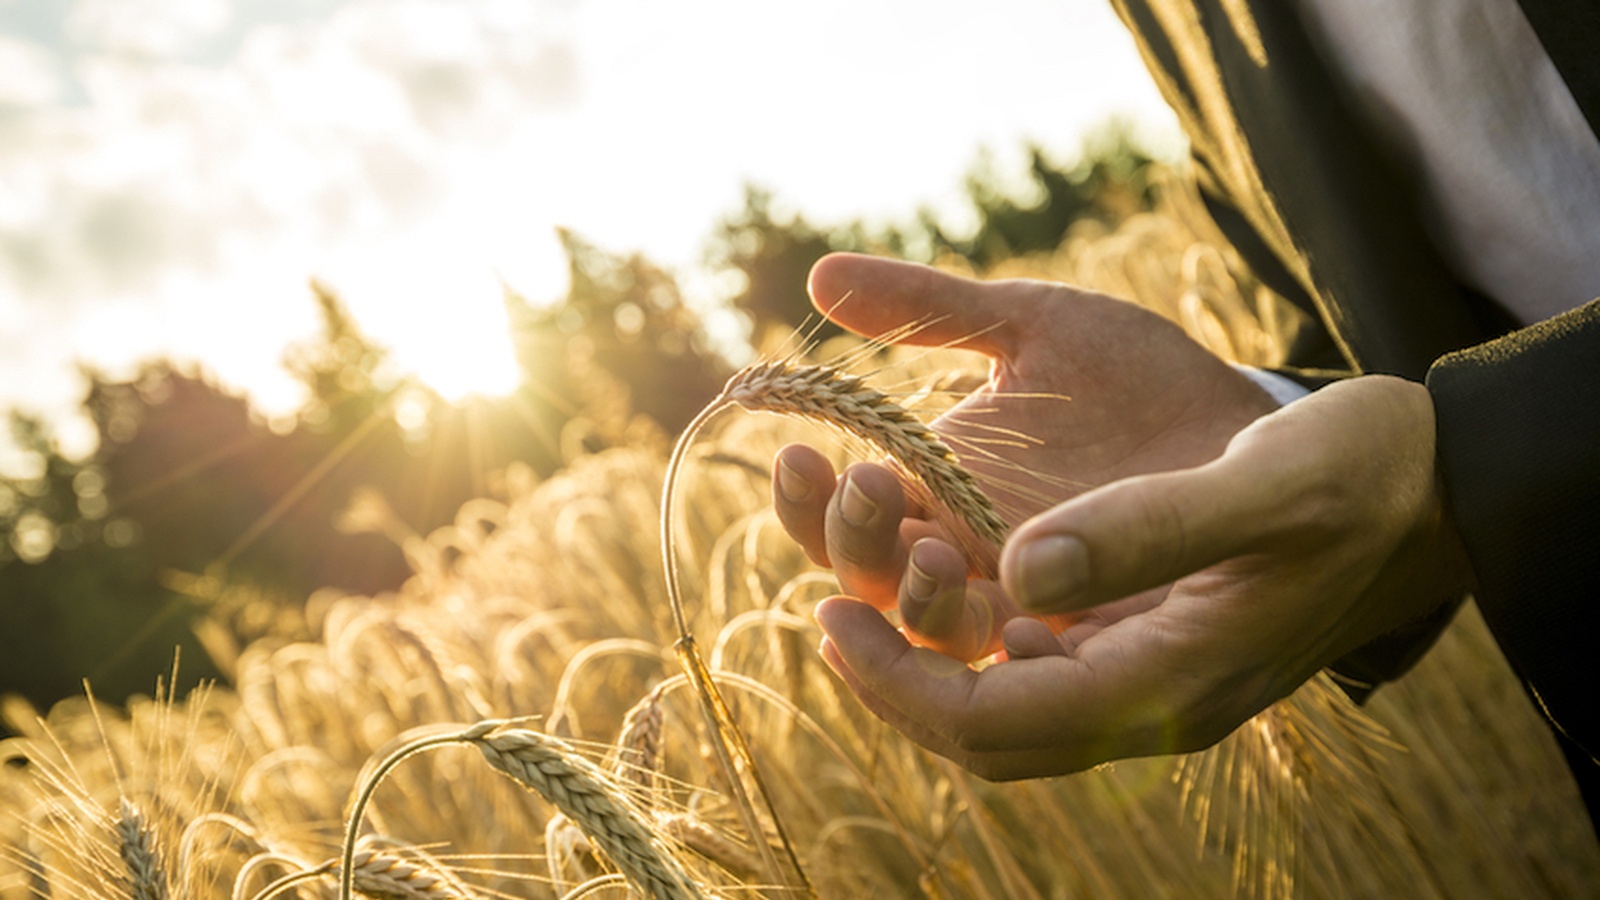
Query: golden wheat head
[(834, 397)]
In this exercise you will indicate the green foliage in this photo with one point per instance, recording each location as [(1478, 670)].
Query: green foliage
[(187, 493), (347, 376), (77, 597)]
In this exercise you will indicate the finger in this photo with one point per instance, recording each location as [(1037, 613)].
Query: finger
[(1026, 638), (1143, 532), (802, 481), (942, 610), (1019, 706), (873, 296), (992, 765), (863, 534)]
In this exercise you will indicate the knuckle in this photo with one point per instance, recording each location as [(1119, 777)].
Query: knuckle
[(1160, 521), (1324, 502)]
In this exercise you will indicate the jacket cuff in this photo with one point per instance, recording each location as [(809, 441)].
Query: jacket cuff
[(1519, 453)]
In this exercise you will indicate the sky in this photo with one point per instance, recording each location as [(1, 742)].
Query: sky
[(174, 172)]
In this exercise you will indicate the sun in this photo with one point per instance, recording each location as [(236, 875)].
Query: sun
[(459, 349), (447, 330), (437, 305)]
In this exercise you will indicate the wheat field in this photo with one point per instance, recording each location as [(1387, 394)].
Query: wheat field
[(518, 721)]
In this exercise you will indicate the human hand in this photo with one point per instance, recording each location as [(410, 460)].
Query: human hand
[(1103, 389), (1222, 582)]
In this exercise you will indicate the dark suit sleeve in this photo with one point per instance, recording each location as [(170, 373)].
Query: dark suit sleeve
[(1519, 451), (1314, 360)]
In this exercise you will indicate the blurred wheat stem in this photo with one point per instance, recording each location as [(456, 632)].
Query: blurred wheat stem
[(812, 727), (288, 881), (369, 785), (597, 883), (191, 835)]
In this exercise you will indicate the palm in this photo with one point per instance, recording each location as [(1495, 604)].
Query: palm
[(1097, 389), (1101, 390)]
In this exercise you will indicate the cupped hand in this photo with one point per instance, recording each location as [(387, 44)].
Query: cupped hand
[(1099, 390), (1210, 551)]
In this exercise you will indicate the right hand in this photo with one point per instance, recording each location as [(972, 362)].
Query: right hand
[(1105, 389)]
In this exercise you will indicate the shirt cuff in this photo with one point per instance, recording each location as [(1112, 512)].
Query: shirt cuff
[(1281, 388)]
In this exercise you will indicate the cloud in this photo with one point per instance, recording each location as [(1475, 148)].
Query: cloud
[(29, 74), (314, 129), (173, 171), (189, 163), (155, 28), (459, 73)]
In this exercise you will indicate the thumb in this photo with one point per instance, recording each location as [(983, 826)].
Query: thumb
[(875, 297), (1143, 532)]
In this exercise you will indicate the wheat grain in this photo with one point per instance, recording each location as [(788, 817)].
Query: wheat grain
[(136, 844), (700, 837), (638, 750), (832, 396), (387, 876)]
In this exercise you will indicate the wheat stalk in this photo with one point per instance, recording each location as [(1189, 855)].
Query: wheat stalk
[(830, 395)]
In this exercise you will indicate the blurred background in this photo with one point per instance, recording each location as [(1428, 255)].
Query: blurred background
[(283, 283)]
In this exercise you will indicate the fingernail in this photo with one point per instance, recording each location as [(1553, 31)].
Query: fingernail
[(792, 484), (919, 584), (854, 505), (1049, 570), (830, 657)]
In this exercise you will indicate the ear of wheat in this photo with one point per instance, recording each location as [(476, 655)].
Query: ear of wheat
[(581, 790), (387, 876), (137, 845), (586, 795), (841, 400)]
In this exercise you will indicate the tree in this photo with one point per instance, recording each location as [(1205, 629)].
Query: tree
[(621, 343), (1108, 183), (772, 254)]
